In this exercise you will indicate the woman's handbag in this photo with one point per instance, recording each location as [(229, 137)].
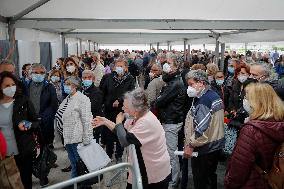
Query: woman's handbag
[(44, 162), (93, 155), (9, 174), (231, 135)]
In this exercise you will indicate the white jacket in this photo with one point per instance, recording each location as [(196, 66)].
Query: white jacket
[(77, 119)]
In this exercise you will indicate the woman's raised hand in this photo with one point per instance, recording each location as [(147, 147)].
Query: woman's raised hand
[(99, 121), (119, 118)]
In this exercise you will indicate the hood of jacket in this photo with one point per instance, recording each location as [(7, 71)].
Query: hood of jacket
[(273, 129)]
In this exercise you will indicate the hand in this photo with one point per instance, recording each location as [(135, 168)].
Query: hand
[(234, 112), (115, 104), (119, 118), (226, 113), (99, 121), (187, 152), (22, 127)]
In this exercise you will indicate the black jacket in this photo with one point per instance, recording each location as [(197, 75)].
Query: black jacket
[(112, 93), (171, 101), (48, 108), (23, 110), (96, 97)]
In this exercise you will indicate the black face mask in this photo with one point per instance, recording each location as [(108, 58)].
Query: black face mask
[(168, 77), (250, 80)]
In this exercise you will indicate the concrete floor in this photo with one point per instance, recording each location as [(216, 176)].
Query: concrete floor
[(57, 176)]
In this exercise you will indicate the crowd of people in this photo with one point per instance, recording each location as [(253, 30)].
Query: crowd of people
[(155, 100)]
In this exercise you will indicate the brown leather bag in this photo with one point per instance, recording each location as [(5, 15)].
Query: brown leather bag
[(9, 174), (275, 176)]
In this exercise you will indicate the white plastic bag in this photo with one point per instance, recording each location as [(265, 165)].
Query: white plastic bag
[(93, 155)]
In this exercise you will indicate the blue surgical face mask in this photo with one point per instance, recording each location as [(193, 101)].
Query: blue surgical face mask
[(67, 89), (231, 70), (87, 83), (220, 81), (55, 79), (37, 78)]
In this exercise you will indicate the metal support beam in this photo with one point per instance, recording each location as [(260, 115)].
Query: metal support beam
[(89, 44), (150, 46), (188, 50), (3, 19), (28, 10), (246, 47), (12, 40), (80, 45), (168, 44), (94, 46), (63, 45), (222, 56), (204, 47), (171, 48), (184, 49), (77, 48), (217, 51), (158, 46), (188, 24)]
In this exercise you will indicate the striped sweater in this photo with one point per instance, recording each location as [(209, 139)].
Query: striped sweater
[(77, 119), (204, 124)]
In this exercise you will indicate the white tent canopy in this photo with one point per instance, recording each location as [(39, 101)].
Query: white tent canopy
[(138, 22)]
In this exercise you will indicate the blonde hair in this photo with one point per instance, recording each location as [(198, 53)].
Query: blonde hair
[(265, 103), (212, 69), (198, 67)]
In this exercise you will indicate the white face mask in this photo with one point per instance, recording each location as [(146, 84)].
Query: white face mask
[(191, 92), (242, 78), (9, 91), (167, 68), (246, 105), (70, 69), (151, 75), (119, 70)]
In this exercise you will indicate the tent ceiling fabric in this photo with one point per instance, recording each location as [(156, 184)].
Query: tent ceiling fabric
[(133, 21), (9, 8), (158, 9)]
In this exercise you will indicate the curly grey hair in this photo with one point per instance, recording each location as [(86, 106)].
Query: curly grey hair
[(74, 80), (197, 75), (137, 100), (267, 71), (88, 72)]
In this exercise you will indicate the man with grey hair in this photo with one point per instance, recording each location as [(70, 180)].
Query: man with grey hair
[(6, 65), (204, 130), (262, 72), (95, 95), (43, 96)]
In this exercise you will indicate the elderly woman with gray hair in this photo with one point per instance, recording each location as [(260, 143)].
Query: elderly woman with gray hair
[(74, 116), (145, 131)]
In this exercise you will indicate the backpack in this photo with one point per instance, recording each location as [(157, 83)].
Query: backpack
[(275, 176)]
